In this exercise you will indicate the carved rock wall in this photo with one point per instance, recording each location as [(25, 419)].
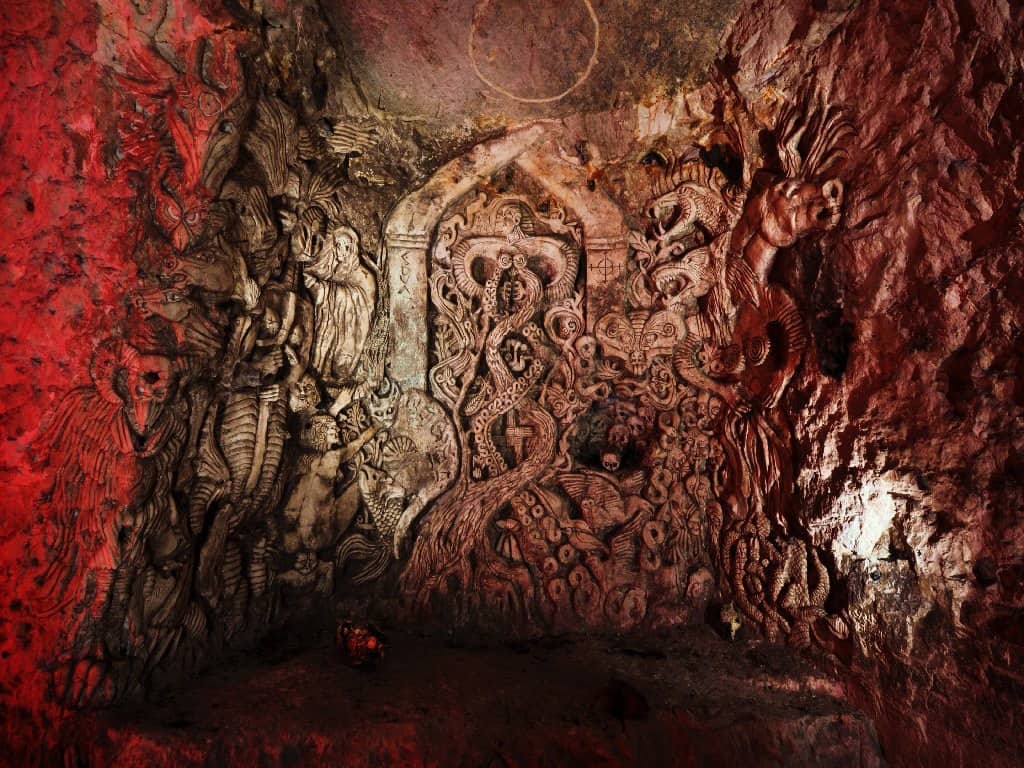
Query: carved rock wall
[(910, 420), (74, 224), (739, 342)]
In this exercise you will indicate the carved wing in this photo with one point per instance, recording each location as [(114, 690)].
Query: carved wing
[(272, 142), (96, 474), (605, 507)]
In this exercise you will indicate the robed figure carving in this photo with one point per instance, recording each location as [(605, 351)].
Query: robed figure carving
[(344, 292)]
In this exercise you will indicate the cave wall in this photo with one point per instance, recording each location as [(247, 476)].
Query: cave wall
[(308, 313), (910, 432)]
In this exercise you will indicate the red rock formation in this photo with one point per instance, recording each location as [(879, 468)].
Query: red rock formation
[(117, 126)]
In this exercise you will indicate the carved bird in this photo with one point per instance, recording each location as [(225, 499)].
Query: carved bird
[(599, 496), (102, 439), (582, 537)]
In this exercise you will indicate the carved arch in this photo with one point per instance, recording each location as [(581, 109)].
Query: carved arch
[(412, 224)]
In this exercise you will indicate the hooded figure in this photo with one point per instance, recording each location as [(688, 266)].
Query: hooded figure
[(343, 293)]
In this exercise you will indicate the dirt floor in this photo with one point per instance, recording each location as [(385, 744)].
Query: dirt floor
[(688, 699)]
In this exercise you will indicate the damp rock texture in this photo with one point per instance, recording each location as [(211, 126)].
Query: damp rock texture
[(908, 412), (517, 318)]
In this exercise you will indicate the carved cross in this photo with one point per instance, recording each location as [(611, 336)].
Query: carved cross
[(606, 268), (516, 436)]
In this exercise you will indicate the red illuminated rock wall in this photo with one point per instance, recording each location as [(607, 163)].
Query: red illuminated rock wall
[(910, 418), (74, 272), (121, 123)]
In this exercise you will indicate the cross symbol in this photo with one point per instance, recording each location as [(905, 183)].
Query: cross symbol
[(606, 268), (516, 436)]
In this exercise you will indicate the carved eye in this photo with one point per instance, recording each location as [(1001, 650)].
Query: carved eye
[(170, 263), (654, 158), (171, 212), (227, 127), (173, 297), (192, 217), (209, 104)]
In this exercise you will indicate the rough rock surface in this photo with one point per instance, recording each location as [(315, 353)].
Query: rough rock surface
[(910, 425), (906, 412)]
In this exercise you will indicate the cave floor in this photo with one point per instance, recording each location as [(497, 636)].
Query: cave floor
[(687, 699)]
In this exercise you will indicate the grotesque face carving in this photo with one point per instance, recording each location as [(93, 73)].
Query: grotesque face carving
[(303, 396), (180, 214), (271, 322), (792, 208), (682, 282), (509, 219), (637, 338), (172, 304), (322, 434), (147, 384)]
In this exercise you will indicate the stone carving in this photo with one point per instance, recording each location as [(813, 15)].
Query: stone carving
[(207, 480), (603, 478), (744, 348), (597, 439), (118, 441), (555, 518), (343, 293)]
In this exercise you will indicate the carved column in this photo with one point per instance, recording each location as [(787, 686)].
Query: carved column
[(606, 276), (407, 276)]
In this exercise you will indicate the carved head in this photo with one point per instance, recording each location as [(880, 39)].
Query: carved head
[(304, 396), (337, 258), (811, 141), (792, 208), (322, 434), (634, 340), (682, 282), (610, 460), (172, 304), (146, 383), (509, 218), (179, 212), (271, 322)]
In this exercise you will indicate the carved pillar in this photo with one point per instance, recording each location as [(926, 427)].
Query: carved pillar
[(407, 277), (606, 276)]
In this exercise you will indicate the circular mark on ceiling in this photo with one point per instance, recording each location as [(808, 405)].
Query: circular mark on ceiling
[(474, 31)]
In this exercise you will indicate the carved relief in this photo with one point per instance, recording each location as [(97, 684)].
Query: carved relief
[(598, 443), (604, 477), (208, 474)]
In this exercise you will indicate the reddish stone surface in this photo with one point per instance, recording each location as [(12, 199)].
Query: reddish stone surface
[(72, 223), (908, 417), (555, 703), (911, 444)]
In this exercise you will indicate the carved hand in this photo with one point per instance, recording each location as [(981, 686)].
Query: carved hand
[(271, 362)]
